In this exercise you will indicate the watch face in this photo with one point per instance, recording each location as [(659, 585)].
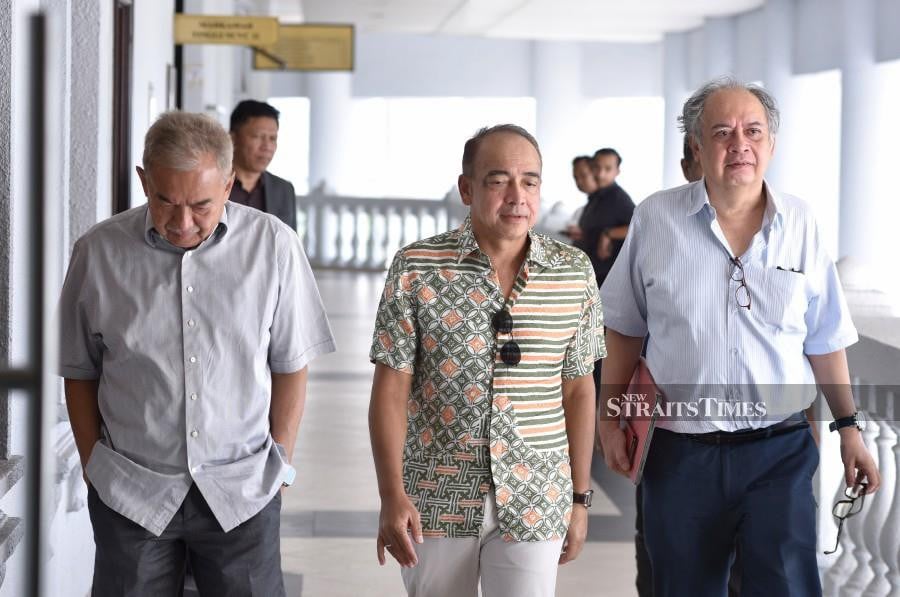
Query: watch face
[(860, 420)]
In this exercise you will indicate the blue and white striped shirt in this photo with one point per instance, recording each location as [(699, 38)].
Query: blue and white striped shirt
[(674, 280)]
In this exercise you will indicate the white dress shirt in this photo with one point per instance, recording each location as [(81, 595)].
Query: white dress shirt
[(674, 280)]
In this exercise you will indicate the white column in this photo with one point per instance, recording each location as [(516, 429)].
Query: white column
[(718, 46), (860, 233), (556, 86), (778, 79), (330, 95), (675, 91)]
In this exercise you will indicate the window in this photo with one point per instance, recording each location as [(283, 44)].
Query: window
[(411, 147), (631, 126)]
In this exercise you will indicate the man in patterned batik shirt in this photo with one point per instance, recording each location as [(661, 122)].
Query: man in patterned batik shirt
[(483, 399)]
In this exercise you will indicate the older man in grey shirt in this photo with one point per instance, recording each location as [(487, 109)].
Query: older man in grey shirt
[(187, 327)]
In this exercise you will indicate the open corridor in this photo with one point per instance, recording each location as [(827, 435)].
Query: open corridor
[(330, 515)]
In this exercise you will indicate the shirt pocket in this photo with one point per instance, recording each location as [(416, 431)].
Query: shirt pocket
[(782, 300)]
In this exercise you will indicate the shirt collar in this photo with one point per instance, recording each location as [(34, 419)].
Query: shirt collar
[(155, 239), (699, 198), (537, 246), (774, 213)]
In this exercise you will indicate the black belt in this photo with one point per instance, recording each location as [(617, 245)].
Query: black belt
[(792, 423)]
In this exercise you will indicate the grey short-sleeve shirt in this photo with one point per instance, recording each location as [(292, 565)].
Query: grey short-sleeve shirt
[(183, 343)]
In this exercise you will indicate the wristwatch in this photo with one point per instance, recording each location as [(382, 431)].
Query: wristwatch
[(583, 498), (289, 477), (857, 420)]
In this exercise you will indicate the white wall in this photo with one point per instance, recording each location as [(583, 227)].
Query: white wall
[(888, 30), (817, 38), (416, 66), (153, 52), (749, 46), (15, 114), (621, 70), (402, 65), (78, 182)]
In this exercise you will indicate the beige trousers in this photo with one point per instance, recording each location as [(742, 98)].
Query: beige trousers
[(452, 567)]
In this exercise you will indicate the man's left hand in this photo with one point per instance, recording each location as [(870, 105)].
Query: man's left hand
[(574, 540), (858, 463)]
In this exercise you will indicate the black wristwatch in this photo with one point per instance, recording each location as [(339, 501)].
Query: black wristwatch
[(584, 499), (857, 420)]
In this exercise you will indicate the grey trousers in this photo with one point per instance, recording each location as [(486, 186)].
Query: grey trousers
[(132, 562)]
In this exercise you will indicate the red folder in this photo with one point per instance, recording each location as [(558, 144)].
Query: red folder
[(639, 416)]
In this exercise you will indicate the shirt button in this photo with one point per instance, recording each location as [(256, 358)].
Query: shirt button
[(191, 323), (193, 396), (190, 289), (734, 351), (193, 359), (195, 433), (187, 253)]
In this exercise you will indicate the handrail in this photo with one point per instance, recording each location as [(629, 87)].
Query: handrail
[(362, 233)]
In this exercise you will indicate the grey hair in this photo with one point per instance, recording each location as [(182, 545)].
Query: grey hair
[(471, 147), (180, 140), (690, 121)]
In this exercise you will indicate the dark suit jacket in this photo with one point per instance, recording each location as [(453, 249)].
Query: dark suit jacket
[(281, 201)]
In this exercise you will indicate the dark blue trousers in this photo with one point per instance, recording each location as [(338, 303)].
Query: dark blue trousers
[(699, 499)]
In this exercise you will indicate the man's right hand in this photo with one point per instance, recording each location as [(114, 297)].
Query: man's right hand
[(612, 441), (574, 232), (398, 519)]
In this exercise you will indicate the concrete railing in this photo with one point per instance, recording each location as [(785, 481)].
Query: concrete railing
[(363, 233), (867, 563)]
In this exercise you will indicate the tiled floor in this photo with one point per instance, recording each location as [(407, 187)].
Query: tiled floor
[(330, 515)]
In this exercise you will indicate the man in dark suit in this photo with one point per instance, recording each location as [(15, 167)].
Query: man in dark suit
[(254, 132)]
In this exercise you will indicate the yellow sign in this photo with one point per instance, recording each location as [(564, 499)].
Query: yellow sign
[(308, 47), (210, 29)]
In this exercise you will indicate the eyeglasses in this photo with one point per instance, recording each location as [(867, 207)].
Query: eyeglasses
[(844, 509), (742, 293), (510, 353)]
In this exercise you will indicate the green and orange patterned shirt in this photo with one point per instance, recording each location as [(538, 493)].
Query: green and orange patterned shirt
[(474, 421)]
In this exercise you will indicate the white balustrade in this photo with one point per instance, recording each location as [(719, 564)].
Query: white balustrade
[(855, 527), (890, 534), (363, 233), (879, 505), (868, 563)]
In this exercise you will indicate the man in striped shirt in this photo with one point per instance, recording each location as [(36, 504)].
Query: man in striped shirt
[(746, 316), (482, 402)]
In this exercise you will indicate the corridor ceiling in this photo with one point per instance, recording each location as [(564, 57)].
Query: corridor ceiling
[(586, 20)]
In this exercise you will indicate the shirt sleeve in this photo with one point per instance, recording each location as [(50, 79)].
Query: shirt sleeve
[(588, 345), (828, 323), (80, 347), (396, 336), (300, 330), (623, 293)]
